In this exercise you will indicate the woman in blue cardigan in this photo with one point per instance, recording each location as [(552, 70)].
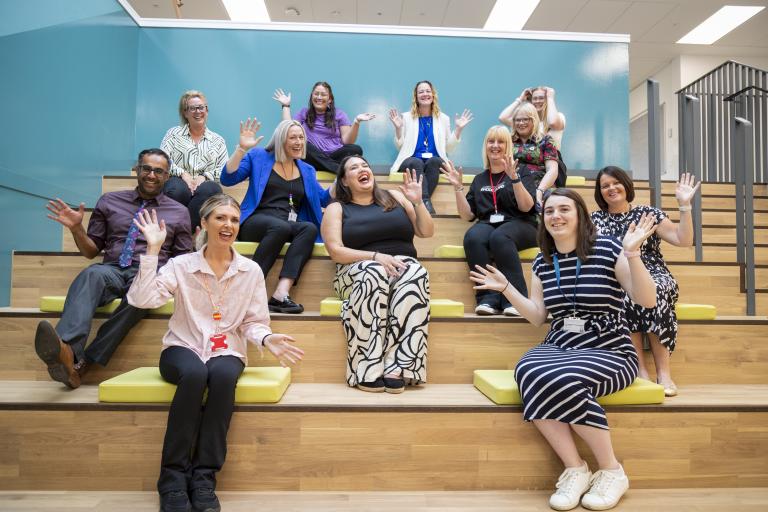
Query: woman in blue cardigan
[(283, 203)]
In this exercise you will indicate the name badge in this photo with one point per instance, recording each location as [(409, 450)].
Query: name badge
[(426, 155), (496, 217), (292, 216), (573, 324)]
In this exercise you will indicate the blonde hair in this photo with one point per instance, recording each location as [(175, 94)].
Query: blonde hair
[(415, 102), (543, 116), (529, 111), (207, 209), (497, 132), (277, 143), (185, 99)]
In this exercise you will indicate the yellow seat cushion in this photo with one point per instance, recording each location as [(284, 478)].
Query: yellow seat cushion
[(257, 384), (575, 181), (438, 308), (248, 248), (465, 178), (695, 311), (55, 304), (325, 176), (500, 386), (457, 251)]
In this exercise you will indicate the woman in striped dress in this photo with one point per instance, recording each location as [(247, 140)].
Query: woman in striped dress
[(580, 279)]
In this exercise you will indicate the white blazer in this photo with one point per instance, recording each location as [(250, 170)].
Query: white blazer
[(445, 139)]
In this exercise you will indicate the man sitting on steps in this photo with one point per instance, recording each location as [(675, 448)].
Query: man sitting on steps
[(111, 229)]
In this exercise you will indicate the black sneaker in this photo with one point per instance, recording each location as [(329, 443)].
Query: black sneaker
[(376, 386), (394, 385), (175, 501), (429, 206), (205, 500), (284, 306)]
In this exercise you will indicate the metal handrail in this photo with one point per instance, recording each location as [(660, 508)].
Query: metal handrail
[(742, 156)]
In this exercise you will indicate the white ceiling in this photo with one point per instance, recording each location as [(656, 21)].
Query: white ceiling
[(653, 25)]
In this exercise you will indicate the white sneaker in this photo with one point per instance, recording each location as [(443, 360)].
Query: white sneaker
[(486, 309), (608, 486), (573, 482), (511, 311)]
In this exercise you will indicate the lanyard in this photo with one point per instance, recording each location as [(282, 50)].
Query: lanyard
[(556, 263), (425, 126), (493, 188)]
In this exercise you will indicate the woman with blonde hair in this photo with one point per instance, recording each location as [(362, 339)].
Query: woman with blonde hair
[(424, 137), (552, 122)]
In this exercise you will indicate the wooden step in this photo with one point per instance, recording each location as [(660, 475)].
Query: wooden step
[(636, 500), (332, 438), (36, 274), (722, 351)]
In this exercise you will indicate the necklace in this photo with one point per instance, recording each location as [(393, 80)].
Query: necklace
[(218, 339)]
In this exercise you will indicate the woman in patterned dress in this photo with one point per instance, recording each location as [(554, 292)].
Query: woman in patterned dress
[(614, 194), (385, 312), (580, 279)]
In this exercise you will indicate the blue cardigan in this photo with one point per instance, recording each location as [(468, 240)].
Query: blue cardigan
[(257, 165)]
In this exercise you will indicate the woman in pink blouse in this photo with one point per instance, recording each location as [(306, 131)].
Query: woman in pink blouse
[(220, 305)]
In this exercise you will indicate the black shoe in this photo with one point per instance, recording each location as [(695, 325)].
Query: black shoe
[(284, 306), (394, 385), (429, 206), (376, 386), (175, 501), (205, 500)]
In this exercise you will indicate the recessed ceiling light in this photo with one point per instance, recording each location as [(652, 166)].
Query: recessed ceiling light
[(723, 21), (292, 11), (510, 15), (250, 11)]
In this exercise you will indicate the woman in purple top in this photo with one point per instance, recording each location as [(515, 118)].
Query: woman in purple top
[(330, 134)]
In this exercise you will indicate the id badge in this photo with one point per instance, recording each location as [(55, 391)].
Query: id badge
[(292, 216), (426, 155), (496, 217), (573, 324)]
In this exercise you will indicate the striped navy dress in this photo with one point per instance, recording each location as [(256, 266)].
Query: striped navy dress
[(561, 378)]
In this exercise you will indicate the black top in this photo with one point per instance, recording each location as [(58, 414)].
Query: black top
[(370, 228), (274, 201), (480, 197)]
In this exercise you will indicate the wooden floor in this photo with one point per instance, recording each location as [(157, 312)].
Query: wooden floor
[(636, 500)]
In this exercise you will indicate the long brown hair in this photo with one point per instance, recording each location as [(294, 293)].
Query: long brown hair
[(330, 111), (586, 233), (381, 197)]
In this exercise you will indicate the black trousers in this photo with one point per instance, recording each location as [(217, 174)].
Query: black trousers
[(429, 169), (485, 243), (96, 286), (330, 161), (195, 444), (272, 233), (176, 189)]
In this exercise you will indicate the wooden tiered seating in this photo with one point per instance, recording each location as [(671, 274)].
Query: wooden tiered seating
[(443, 437)]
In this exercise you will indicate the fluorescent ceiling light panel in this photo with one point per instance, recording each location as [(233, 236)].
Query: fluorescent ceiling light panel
[(248, 11), (510, 15), (723, 21)]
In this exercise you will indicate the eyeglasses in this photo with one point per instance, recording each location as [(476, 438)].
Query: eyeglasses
[(146, 170), (197, 108), (523, 121)]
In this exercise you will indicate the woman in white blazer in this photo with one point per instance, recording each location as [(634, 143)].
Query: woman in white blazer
[(424, 137)]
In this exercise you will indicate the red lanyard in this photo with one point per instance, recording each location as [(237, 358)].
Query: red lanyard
[(493, 188)]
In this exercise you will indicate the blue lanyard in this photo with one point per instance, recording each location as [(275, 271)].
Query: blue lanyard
[(556, 263)]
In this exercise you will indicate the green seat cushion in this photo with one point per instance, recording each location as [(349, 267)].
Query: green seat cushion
[(695, 311), (457, 251), (500, 386), (257, 384), (248, 248), (438, 308), (55, 304)]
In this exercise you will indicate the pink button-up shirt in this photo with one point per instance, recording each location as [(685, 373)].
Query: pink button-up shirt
[(245, 316)]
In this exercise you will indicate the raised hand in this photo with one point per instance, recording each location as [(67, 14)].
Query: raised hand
[(453, 175), (248, 131), (463, 119), (64, 215), (285, 353), (638, 233), (396, 118), (411, 187), (686, 189), (282, 97), (550, 92), (525, 95), (365, 116), (488, 278), (510, 167), (153, 231)]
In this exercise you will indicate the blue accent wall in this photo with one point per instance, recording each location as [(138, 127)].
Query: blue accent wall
[(69, 97), (238, 70)]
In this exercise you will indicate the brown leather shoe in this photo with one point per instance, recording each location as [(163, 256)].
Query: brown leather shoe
[(56, 354)]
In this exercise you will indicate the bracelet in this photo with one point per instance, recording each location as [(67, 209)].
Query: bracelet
[(516, 180), (416, 205), (685, 208), (631, 254), (264, 339), (460, 189), (374, 256), (505, 288), (286, 106)]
